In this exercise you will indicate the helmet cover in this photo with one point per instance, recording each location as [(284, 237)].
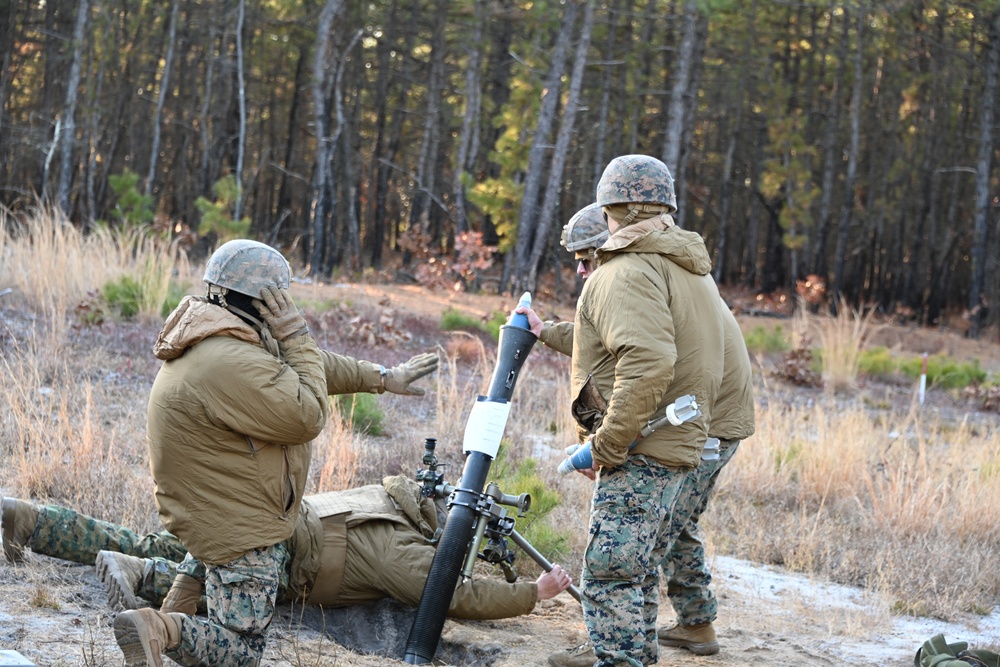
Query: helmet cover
[(637, 179), (247, 267)]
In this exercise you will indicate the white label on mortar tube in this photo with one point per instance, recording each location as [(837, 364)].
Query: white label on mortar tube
[(484, 430)]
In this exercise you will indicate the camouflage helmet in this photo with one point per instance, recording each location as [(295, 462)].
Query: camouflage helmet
[(246, 267), (637, 179), (585, 230)]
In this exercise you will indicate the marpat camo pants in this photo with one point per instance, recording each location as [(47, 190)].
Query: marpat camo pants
[(629, 526), (241, 595), (688, 578)]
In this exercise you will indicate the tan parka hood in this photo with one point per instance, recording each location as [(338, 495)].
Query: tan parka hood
[(659, 235), (194, 320)]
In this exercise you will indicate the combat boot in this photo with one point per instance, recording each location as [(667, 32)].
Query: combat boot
[(578, 656), (183, 596), (19, 518), (121, 575), (700, 638), (145, 634)]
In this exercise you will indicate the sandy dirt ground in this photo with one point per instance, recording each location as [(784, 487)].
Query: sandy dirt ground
[(55, 613)]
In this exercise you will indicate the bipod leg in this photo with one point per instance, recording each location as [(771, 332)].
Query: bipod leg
[(539, 558)]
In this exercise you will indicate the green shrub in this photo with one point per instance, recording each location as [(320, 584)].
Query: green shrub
[(762, 339), (877, 362), (945, 372), (175, 292), (522, 477), (217, 216), (131, 206), (492, 327), (123, 295), (363, 411), (456, 320)]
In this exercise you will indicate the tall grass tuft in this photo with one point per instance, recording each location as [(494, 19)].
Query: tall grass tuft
[(53, 264), (58, 447), (842, 338), (335, 460)]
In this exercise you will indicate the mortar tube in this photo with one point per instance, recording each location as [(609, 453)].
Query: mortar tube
[(421, 645)]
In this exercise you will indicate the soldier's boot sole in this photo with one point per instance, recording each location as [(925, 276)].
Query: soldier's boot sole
[(117, 584), (703, 648), (138, 647)]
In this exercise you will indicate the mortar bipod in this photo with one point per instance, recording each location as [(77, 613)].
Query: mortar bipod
[(492, 522)]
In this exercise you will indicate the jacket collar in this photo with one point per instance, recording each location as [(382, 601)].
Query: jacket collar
[(194, 320)]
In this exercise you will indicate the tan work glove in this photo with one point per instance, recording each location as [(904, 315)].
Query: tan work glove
[(282, 317), (398, 378)]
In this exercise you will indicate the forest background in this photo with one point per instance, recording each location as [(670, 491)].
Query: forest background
[(850, 144)]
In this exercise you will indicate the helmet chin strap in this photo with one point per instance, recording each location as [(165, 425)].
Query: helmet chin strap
[(217, 295)]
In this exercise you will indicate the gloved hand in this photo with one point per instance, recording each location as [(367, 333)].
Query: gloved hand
[(398, 378), (282, 317)]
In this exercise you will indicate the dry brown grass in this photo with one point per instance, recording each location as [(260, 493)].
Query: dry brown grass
[(903, 505), (841, 338), (53, 264)]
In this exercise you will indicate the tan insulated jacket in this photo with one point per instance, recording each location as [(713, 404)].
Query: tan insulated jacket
[(377, 543), (229, 426), (733, 414), (649, 329)]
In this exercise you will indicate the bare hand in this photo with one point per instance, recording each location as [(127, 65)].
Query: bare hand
[(551, 584), (535, 323)]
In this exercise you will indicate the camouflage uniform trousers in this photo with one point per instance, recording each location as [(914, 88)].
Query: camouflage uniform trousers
[(684, 568), (241, 597), (620, 581), (69, 535)]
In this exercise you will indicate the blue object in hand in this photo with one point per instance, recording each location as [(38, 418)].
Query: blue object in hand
[(520, 320), (684, 409)]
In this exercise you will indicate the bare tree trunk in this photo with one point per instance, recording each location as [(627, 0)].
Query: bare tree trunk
[(528, 218), (341, 137), (8, 37), (830, 155), (983, 169), (154, 151), (674, 130), (554, 187), (242, 92), (852, 164), (284, 208), (319, 209), (430, 144), (690, 109), (68, 133), (467, 138), (610, 48), (383, 152), (205, 124)]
